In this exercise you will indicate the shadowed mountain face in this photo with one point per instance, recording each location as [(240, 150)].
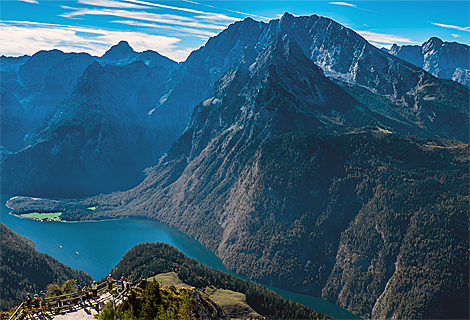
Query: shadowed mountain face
[(296, 180), (41, 82), (447, 60), (13, 126), (96, 140)]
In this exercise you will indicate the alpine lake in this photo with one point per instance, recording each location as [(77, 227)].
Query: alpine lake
[(97, 246)]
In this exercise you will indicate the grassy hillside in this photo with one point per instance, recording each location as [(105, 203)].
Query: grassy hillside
[(234, 303)]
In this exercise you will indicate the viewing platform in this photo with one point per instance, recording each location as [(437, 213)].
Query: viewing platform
[(68, 306)]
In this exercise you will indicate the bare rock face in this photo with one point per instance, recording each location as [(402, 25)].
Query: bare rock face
[(413, 101), (446, 60), (205, 308)]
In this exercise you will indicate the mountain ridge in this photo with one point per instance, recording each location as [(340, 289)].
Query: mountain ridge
[(95, 139)]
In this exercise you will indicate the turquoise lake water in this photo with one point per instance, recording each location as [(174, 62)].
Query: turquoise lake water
[(97, 246)]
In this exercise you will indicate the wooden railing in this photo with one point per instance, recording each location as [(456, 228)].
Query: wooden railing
[(64, 301), (17, 311)]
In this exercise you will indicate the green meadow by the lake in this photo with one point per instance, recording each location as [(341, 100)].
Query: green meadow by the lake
[(43, 216)]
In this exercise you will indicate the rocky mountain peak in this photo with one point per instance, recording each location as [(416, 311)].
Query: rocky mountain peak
[(119, 51), (432, 44)]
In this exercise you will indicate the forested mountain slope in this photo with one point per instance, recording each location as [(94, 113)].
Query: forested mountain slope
[(388, 92), (97, 139)]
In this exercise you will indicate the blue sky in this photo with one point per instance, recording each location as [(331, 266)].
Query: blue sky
[(175, 28)]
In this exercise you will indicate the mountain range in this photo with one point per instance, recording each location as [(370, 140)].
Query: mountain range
[(300, 154), (447, 60), (402, 97)]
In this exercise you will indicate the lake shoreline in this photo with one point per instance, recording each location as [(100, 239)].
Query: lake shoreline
[(98, 261)]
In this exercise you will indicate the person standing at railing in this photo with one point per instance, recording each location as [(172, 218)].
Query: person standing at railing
[(36, 302), (110, 283), (29, 301), (42, 297), (80, 293), (124, 282), (94, 290), (86, 292)]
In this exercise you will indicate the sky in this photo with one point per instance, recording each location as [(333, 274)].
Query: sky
[(176, 28)]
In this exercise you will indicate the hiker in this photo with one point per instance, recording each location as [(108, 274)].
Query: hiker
[(110, 283), (80, 293), (86, 291), (42, 296), (94, 289), (122, 283), (117, 286), (28, 301), (125, 283), (36, 302)]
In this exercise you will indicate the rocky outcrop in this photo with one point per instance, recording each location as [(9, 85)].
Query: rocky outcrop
[(205, 308)]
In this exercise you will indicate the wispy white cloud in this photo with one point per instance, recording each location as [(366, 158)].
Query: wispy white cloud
[(383, 39), (168, 19), (202, 34), (449, 26), (112, 4), (31, 1), (343, 4), (210, 15), (456, 35), (29, 37), (347, 4), (229, 10)]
